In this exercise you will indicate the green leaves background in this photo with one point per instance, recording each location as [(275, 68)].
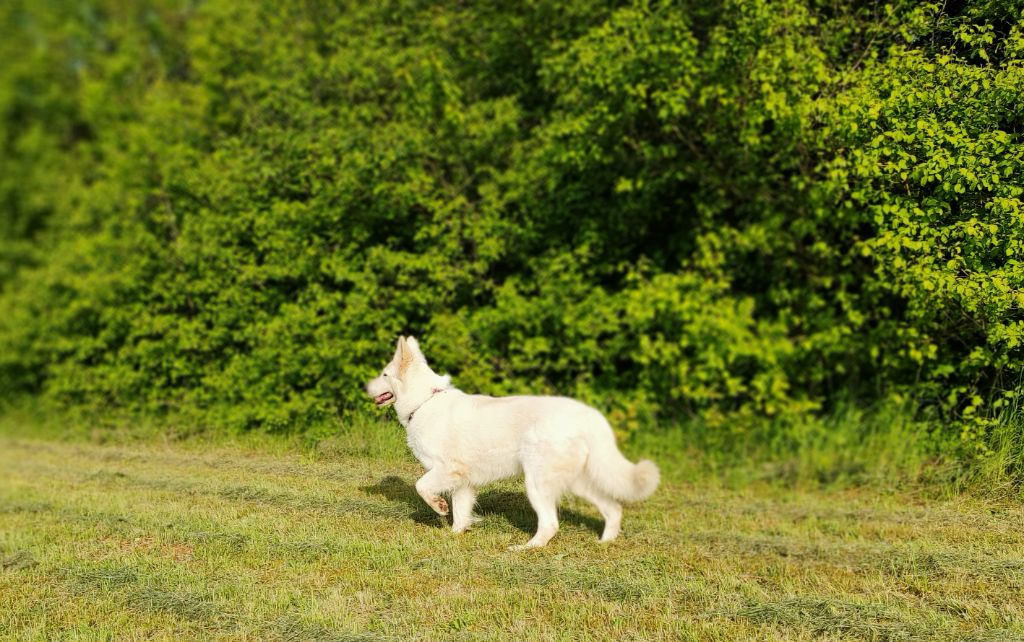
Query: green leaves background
[(734, 211)]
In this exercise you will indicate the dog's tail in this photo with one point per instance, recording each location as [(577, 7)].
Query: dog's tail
[(615, 475)]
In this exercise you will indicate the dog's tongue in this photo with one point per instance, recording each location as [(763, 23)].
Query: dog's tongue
[(382, 397)]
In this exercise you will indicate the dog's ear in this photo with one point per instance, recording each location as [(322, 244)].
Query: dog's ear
[(414, 346), (405, 354), (412, 343)]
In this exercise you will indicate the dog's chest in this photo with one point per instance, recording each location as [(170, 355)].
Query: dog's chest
[(424, 446)]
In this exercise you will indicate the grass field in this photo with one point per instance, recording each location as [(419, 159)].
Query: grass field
[(187, 541)]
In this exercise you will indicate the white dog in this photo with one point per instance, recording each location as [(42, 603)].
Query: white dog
[(465, 441)]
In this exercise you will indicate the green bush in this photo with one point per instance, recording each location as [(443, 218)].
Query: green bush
[(744, 212)]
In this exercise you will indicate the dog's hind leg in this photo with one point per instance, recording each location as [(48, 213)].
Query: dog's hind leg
[(549, 467), (463, 499), (544, 500), (544, 487), (610, 509)]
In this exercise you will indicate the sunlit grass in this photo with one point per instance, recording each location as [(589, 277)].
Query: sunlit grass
[(139, 541)]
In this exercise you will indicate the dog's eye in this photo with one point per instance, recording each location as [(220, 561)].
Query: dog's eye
[(384, 374)]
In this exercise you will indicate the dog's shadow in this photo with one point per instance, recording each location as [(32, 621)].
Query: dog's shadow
[(512, 507)]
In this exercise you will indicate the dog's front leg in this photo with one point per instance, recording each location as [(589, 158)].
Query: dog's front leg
[(431, 485), (463, 499)]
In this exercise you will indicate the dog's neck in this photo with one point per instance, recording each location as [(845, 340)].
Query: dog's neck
[(408, 418), (428, 385)]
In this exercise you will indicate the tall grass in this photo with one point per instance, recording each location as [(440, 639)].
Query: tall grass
[(1000, 471), (884, 445)]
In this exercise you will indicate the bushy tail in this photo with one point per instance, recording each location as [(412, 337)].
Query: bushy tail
[(615, 475)]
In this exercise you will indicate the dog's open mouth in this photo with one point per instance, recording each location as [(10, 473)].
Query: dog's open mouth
[(382, 398)]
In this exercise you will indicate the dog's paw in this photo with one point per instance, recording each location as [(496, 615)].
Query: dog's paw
[(441, 506), (462, 528), (518, 548)]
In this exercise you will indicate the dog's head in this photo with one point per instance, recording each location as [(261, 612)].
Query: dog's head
[(394, 379)]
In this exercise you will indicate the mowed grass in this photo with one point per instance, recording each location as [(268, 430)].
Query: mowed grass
[(183, 542)]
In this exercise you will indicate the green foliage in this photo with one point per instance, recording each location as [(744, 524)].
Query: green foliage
[(743, 212)]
